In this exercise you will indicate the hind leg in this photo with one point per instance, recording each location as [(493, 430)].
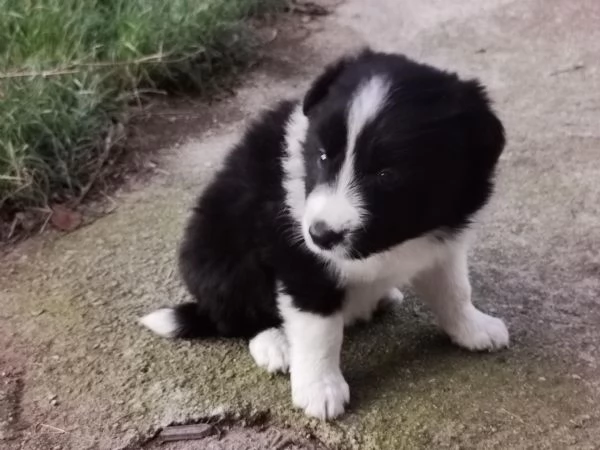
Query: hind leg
[(270, 350), (362, 300), (394, 296)]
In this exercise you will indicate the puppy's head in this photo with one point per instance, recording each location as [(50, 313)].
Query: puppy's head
[(394, 150)]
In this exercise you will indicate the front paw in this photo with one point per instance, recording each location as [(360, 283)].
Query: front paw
[(323, 397), (479, 331), (394, 296)]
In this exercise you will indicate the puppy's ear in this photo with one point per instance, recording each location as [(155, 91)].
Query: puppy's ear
[(320, 87), (487, 132), (492, 137)]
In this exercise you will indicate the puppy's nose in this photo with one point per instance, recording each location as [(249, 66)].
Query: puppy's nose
[(324, 236)]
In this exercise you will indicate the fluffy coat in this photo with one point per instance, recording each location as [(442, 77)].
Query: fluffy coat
[(328, 205)]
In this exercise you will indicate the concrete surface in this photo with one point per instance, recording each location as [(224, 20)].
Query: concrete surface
[(79, 373)]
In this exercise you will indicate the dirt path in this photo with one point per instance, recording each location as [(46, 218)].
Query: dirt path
[(76, 372)]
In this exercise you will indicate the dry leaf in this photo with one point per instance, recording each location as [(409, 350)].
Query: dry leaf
[(65, 219)]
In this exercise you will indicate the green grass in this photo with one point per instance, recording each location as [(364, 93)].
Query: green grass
[(69, 68)]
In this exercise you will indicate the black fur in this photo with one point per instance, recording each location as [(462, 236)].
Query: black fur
[(426, 165)]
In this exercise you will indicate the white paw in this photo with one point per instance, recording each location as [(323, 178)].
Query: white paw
[(394, 295), (478, 331), (270, 350), (323, 398)]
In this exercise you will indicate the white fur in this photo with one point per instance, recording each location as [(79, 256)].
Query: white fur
[(162, 322), (397, 264), (367, 103), (318, 386), (337, 209), (476, 330), (362, 300), (394, 295), (293, 163), (445, 287), (270, 350)]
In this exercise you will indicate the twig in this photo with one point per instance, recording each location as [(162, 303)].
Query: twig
[(48, 217), (113, 204), (512, 415), (43, 73), (109, 142), (152, 91), (573, 68), (13, 227), (186, 432), (50, 427), (79, 67)]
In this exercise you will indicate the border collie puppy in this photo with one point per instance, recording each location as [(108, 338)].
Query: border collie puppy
[(328, 205)]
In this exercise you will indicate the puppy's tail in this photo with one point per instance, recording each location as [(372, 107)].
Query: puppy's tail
[(183, 321)]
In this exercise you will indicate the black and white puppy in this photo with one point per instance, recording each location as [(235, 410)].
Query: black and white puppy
[(328, 205)]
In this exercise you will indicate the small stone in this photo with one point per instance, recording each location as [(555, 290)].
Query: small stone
[(576, 377), (542, 378), (54, 402)]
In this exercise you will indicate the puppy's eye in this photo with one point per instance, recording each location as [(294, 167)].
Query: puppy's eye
[(386, 177), (322, 155), (386, 174)]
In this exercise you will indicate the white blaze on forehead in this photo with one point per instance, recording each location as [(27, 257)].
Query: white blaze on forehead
[(366, 104)]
